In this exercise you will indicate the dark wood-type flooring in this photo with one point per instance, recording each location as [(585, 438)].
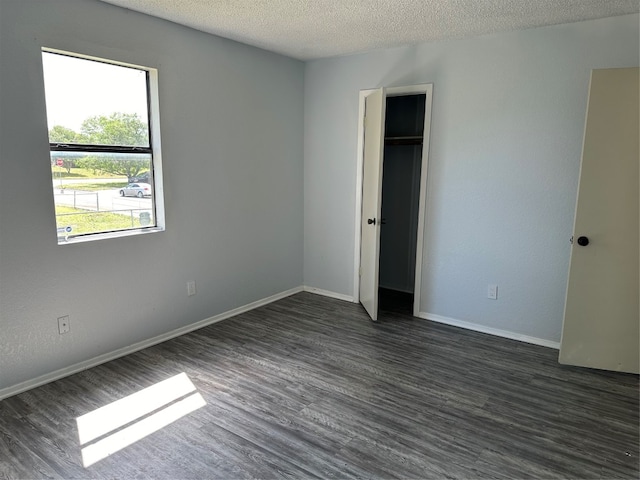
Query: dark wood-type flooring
[(308, 387)]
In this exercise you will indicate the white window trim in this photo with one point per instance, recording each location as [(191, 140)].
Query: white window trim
[(154, 130)]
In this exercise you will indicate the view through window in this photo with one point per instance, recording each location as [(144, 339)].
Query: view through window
[(100, 142)]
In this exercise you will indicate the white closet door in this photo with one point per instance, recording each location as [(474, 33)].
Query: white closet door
[(601, 322), (372, 200)]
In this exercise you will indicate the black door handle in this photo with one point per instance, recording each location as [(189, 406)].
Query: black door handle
[(371, 221), (583, 241)]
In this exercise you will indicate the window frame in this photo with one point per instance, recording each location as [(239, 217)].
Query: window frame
[(153, 150)]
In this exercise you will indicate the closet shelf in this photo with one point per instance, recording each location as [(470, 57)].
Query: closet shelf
[(404, 140)]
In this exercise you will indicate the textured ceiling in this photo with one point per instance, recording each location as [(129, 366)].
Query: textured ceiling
[(308, 29)]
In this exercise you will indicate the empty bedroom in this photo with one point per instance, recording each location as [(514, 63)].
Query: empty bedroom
[(319, 239)]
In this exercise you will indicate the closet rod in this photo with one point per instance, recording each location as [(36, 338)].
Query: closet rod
[(404, 140)]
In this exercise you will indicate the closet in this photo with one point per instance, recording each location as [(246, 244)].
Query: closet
[(403, 144), (392, 196)]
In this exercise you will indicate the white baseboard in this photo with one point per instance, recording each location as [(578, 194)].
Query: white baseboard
[(491, 331), (121, 352), (79, 367), (327, 293)]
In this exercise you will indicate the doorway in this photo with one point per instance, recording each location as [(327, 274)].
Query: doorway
[(403, 138), (391, 198)]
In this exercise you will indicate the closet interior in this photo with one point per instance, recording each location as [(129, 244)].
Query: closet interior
[(403, 143)]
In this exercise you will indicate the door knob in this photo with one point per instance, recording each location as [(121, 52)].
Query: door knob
[(583, 241), (371, 221)]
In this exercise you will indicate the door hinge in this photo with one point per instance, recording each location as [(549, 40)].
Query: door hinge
[(360, 271)]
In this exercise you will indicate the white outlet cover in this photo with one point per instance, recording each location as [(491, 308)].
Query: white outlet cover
[(63, 325)]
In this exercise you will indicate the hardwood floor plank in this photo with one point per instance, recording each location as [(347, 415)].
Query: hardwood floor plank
[(307, 451), (309, 387), (504, 465), (18, 458)]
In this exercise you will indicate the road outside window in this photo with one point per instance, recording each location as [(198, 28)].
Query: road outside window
[(102, 160)]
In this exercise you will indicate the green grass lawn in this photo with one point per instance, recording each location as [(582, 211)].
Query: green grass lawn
[(61, 172), (84, 221), (94, 186)]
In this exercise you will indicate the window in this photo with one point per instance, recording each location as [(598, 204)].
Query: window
[(104, 147)]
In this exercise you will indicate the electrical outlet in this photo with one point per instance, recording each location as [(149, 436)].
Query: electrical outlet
[(191, 288), (492, 291), (63, 325)]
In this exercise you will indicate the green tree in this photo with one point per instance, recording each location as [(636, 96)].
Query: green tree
[(123, 129), (117, 129), (115, 164), (60, 134)]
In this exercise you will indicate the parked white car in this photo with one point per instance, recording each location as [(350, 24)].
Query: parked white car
[(136, 190)]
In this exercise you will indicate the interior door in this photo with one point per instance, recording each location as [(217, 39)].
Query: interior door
[(375, 105), (601, 322)]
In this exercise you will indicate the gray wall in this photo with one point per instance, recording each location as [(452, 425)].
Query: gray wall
[(506, 138), (231, 120), (507, 127)]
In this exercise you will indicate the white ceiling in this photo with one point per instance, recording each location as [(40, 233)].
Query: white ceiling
[(309, 29)]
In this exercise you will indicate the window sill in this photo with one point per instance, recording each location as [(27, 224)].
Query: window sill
[(102, 236)]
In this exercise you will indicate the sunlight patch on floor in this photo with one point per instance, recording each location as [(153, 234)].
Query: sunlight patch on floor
[(117, 425)]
